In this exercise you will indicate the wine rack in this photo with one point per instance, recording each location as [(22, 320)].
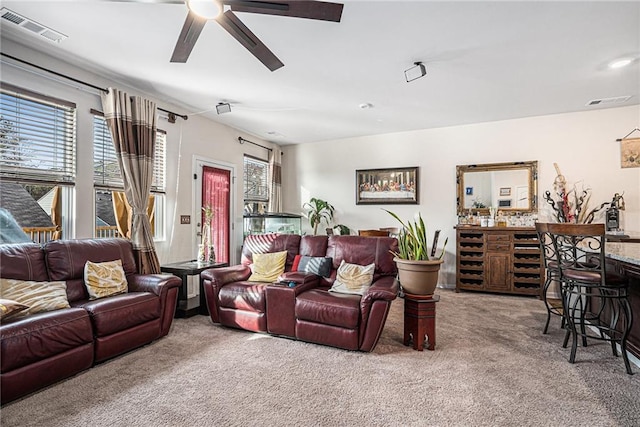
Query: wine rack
[(499, 259)]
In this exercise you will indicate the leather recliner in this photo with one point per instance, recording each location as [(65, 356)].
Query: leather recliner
[(307, 311)]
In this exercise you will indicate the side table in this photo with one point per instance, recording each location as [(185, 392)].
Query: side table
[(188, 307), (420, 320)]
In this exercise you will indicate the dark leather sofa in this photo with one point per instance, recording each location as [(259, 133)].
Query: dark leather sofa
[(43, 348), (308, 311)]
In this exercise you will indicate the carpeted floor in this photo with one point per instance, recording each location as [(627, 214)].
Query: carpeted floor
[(492, 367)]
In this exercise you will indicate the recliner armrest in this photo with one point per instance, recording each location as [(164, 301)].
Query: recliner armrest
[(153, 283), (221, 276), (385, 288)]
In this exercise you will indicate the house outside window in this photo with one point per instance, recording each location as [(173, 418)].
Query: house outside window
[(112, 209), (256, 185), (37, 162)]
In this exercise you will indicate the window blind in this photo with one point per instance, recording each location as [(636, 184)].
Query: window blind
[(106, 170), (256, 178), (37, 137)]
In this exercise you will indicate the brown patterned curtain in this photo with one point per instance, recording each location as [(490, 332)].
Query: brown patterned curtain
[(132, 122), (123, 213), (275, 184)]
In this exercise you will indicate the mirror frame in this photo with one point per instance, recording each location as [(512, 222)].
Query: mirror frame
[(530, 166)]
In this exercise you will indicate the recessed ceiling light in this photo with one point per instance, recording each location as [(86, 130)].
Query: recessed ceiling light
[(619, 63)]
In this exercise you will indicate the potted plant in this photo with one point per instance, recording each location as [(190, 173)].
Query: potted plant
[(318, 210), (417, 269)]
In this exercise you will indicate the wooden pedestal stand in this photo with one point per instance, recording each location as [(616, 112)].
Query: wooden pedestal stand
[(420, 320)]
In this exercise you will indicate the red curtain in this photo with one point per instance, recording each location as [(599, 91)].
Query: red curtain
[(216, 193)]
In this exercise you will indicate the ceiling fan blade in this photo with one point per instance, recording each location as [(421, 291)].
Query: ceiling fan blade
[(230, 22), (191, 30), (321, 10)]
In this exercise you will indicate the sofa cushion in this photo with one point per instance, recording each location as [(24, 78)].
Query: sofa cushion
[(321, 306), (364, 251), (120, 312), (26, 340), (267, 267), (313, 245), (104, 279), (23, 261), (38, 296), (320, 266), (353, 278), (268, 243), (249, 296), (9, 308), (66, 260)]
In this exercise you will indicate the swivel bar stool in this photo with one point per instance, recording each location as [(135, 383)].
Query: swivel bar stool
[(552, 274), (592, 297)]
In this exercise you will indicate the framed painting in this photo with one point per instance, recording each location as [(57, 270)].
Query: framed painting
[(505, 191), (392, 186)]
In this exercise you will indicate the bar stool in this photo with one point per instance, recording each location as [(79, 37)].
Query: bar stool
[(592, 297), (552, 270)]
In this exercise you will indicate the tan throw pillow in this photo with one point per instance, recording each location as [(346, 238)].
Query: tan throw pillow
[(38, 296), (104, 279), (9, 308), (267, 267), (353, 278)]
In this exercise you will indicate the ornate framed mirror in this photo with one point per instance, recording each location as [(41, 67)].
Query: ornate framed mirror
[(510, 187)]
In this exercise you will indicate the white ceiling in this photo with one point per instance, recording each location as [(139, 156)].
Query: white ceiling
[(485, 61)]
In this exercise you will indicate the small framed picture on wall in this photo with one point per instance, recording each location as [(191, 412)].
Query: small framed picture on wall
[(505, 191)]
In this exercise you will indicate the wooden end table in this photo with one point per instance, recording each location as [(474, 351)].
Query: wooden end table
[(188, 307), (420, 320)]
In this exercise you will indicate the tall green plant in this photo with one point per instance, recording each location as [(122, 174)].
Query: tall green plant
[(318, 210), (412, 240)]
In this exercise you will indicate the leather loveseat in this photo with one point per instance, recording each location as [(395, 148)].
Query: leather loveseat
[(307, 311), (43, 348)]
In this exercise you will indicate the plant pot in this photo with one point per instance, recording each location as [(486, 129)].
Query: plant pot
[(418, 277)]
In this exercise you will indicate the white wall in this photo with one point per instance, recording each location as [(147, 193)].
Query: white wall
[(583, 144), (196, 136)]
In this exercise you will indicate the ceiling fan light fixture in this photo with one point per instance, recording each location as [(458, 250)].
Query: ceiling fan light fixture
[(208, 9)]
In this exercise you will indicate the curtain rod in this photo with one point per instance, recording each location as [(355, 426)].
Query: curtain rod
[(241, 140), (172, 115)]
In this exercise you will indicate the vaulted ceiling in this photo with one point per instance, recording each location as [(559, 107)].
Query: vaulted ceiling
[(485, 61)]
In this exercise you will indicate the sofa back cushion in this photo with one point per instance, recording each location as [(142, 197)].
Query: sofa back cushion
[(24, 261), (314, 245), (268, 243), (364, 251), (66, 260)]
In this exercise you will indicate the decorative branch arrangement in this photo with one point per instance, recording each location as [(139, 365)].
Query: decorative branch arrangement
[(206, 251), (573, 205)]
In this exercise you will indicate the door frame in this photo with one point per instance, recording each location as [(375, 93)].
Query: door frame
[(196, 195)]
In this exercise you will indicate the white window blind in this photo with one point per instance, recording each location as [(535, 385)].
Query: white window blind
[(106, 170), (256, 178), (37, 137)]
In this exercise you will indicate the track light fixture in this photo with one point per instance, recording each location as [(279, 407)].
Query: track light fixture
[(223, 107), (415, 72)]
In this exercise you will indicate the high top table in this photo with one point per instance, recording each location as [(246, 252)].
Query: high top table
[(624, 258)]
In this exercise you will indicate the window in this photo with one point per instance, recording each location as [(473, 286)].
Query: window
[(37, 161), (108, 179), (256, 184)]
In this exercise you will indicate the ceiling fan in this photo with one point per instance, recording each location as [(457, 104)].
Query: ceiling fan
[(200, 11)]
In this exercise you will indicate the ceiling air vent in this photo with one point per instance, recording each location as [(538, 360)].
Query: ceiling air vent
[(609, 101), (31, 26)]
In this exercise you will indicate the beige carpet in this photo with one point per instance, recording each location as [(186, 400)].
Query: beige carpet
[(492, 367)]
